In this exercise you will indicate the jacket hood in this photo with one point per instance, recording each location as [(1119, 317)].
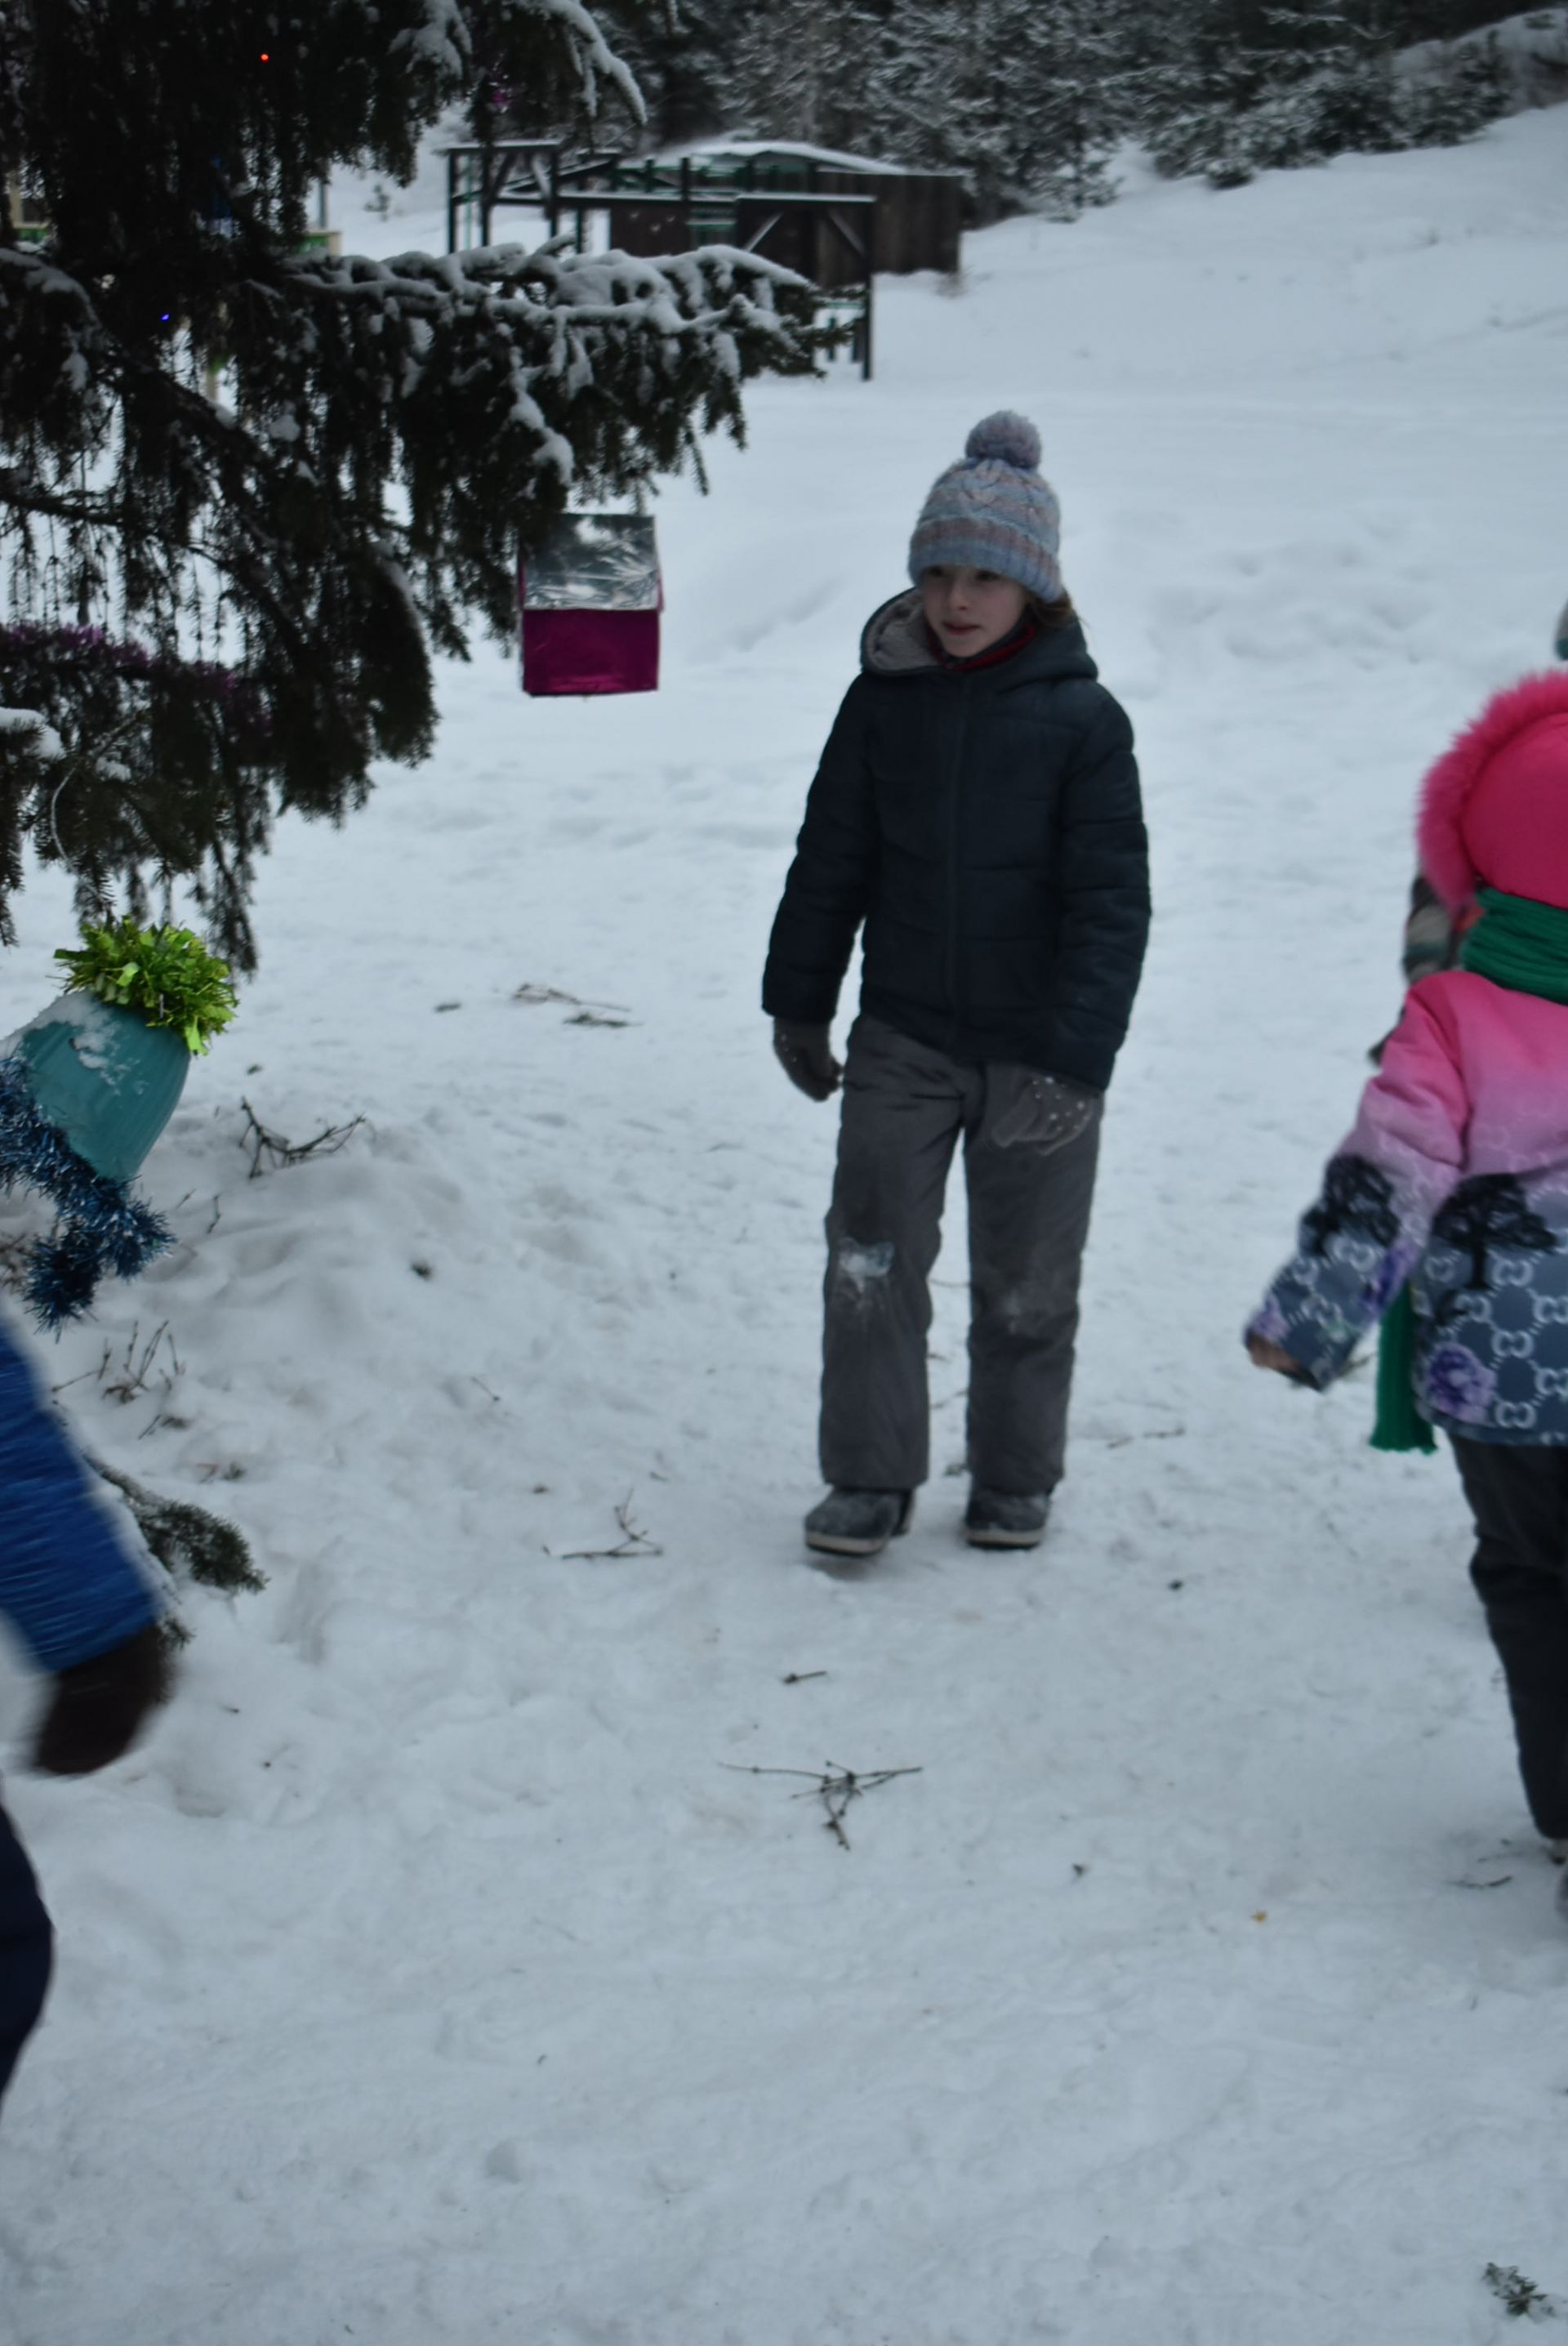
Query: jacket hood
[(895, 643), (1494, 807)]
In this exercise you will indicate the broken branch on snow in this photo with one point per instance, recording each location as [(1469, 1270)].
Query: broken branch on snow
[(834, 1785), (634, 1540), (275, 1150)]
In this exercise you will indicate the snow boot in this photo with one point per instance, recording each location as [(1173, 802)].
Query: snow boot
[(858, 1523), (999, 1519)]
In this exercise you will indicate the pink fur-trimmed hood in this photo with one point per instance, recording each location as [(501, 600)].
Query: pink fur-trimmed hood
[(1494, 807)]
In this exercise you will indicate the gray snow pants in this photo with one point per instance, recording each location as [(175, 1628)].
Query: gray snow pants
[(905, 1107)]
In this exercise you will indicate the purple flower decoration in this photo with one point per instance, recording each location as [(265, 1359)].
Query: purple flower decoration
[(1271, 1322), (1397, 1267), (91, 647), (1458, 1384)]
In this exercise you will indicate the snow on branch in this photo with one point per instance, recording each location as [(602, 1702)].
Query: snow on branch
[(53, 348), (441, 45), (221, 607), (596, 57), (678, 295), (27, 731)]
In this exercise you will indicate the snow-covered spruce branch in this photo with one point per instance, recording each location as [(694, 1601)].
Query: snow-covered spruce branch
[(55, 354), (224, 606), (26, 729), (556, 298), (442, 45)]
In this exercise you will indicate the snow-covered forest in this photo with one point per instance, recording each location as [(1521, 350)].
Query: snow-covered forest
[(1033, 104), (450, 1963)]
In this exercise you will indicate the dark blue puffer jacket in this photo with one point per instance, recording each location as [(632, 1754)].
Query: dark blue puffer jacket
[(69, 1584), (985, 825)]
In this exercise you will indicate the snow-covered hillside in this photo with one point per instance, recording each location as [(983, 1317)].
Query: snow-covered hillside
[(431, 1976)]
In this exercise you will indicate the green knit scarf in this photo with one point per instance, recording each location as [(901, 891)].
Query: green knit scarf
[(1520, 943), (1523, 944)]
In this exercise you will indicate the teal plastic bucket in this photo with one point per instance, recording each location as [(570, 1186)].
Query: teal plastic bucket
[(105, 1080)]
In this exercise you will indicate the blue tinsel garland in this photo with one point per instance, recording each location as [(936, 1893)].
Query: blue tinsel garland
[(105, 1229)]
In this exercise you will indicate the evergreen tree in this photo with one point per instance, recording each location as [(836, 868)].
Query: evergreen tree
[(222, 607), (1080, 106), (1245, 86), (800, 70), (679, 52), (1206, 72), (1457, 93), (1025, 97)]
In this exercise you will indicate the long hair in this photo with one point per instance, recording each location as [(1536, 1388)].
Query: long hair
[(1060, 612)]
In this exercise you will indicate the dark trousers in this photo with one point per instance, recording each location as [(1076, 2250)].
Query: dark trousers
[(905, 1109), (27, 1949), (1519, 1498)]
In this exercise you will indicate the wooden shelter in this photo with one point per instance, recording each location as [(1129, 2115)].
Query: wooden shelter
[(918, 216)]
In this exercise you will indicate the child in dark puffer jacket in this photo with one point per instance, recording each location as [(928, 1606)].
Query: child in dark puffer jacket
[(976, 809), (1448, 1202)]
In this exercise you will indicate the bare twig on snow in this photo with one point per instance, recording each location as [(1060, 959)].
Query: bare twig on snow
[(634, 1540), (834, 1785), (268, 1149)]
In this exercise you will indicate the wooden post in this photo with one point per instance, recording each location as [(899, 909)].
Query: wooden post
[(870, 219)]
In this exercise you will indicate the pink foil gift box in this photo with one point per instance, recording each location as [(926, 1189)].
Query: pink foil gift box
[(590, 599)]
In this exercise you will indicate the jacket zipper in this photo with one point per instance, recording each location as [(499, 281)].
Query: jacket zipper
[(954, 834)]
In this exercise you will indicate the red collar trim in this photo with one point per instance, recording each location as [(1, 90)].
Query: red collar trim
[(994, 655)]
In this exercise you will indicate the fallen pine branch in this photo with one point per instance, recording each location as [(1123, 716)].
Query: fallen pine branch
[(189, 1541), (1519, 2296)]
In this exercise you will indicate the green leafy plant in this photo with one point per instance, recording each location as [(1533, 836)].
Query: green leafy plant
[(166, 976)]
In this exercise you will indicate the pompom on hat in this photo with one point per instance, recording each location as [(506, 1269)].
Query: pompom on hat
[(992, 511), (1494, 807)]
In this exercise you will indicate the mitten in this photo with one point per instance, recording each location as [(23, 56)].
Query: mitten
[(1048, 1113), (806, 1056), (99, 1705)]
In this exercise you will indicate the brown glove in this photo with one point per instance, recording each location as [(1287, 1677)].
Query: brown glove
[(99, 1705), (806, 1056)]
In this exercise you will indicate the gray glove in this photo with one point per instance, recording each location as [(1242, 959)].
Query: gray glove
[(1048, 1113), (806, 1056)]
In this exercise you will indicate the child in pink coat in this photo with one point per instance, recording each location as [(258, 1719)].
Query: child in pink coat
[(1453, 1185)]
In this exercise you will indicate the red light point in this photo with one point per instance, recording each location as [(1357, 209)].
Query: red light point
[(265, 56)]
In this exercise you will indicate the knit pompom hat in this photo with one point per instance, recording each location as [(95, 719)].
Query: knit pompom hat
[(992, 511), (1494, 807)]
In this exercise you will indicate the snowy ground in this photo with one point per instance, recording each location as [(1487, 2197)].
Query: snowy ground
[(426, 1977)]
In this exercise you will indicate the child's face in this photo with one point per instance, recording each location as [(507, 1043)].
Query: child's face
[(969, 610)]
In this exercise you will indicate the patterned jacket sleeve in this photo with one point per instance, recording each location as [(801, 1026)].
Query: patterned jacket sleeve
[(1359, 1244), (69, 1584)]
